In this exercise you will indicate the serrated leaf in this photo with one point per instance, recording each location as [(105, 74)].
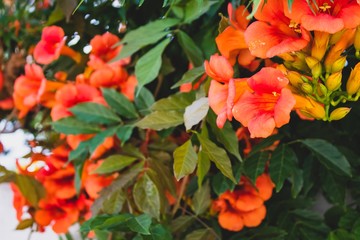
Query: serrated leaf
[(202, 199), (329, 156), (124, 133), (159, 120), (94, 113), (254, 165), (218, 156), (144, 100), (119, 103), (181, 223), (190, 76), (185, 160), (70, 125), (282, 163), (195, 112), (140, 224), (114, 203), (177, 102), (225, 136), (203, 167), (146, 196), (193, 52), (148, 66), (115, 163)]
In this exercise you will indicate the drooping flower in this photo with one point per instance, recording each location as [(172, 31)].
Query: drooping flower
[(269, 106), (274, 33), (324, 15), (108, 76), (244, 207)]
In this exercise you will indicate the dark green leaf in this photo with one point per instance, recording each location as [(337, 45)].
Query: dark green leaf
[(185, 160), (341, 234), (333, 187), (159, 120), (101, 234), (220, 184), (140, 224), (114, 203), (254, 165), (200, 234), (124, 133), (181, 223), (329, 156), (159, 232), (202, 199), (68, 7), (99, 138), (266, 142), (79, 166), (94, 113), (192, 51), (195, 8), (114, 163), (203, 167), (144, 100), (146, 196), (218, 156), (148, 66), (282, 164), (80, 153), (190, 76), (297, 181), (119, 103), (71, 125)]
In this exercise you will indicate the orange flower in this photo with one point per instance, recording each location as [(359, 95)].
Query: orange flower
[(70, 95), (19, 201), (274, 33), (103, 51), (323, 15), (245, 205), (49, 47), (108, 76), (269, 106), (7, 103)]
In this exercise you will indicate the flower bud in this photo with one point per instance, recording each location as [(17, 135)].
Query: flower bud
[(353, 83), (320, 43), (323, 89), (316, 70), (338, 65), (339, 113), (357, 39), (333, 82), (294, 78), (307, 88), (311, 62), (310, 107)]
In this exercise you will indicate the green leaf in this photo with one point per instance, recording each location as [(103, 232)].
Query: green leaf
[(203, 167), (147, 197), (218, 156), (79, 166), (26, 223), (185, 160), (333, 187), (124, 133), (195, 8), (195, 112), (200, 234), (297, 180), (192, 51), (159, 232), (148, 66), (282, 164), (140, 224), (144, 100), (329, 156), (225, 136), (99, 138), (177, 102), (101, 234), (341, 234), (67, 7), (181, 223), (30, 188), (114, 203), (115, 163), (202, 199), (94, 113), (159, 120), (220, 184), (255, 6), (56, 15), (119, 103), (254, 165), (80, 153), (71, 125), (190, 76), (266, 142)]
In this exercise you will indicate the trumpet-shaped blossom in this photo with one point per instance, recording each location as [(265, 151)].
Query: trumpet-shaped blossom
[(325, 15), (268, 106), (244, 207), (274, 33), (50, 45)]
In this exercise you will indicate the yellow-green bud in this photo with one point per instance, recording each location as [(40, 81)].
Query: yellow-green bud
[(353, 83), (357, 39), (311, 62), (323, 89), (333, 82), (339, 113), (338, 65), (307, 88), (294, 78), (316, 70)]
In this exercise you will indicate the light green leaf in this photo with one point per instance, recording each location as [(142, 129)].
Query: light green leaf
[(94, 113), (176, 102), (159, 120), (140, 224), (30, 188), (192, 51), (329, 156), (254, 165), (144, 100), (202, 199), (203, 167), (218, 156), (114, 203), (190, 76), (26, 223), (195, 112), (255, 7), (195, 8), (181, 223), (114, 163), (70, 125), (124, 133), (282, 164), (185, 160), (146, 196), (119, 103), (200, 234), (148, 66)]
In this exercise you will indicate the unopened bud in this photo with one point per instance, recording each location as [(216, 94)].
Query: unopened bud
[(323, 89), (333, 82), (316, 71), (339, 113), (311, 62), (294, 78), (357, 39), (353, 83), (320, 44), (307, 88), (338, 65)]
